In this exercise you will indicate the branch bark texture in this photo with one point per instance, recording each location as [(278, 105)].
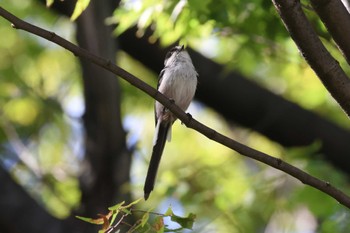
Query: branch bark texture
[(337, 20), (185, 118), (311, 47)]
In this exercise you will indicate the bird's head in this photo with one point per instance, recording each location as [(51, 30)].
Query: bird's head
[(177, 54)]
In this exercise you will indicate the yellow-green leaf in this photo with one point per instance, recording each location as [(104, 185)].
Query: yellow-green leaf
[(97, 221), (186, 222), (144, 219), (114, 215), (133, 203), (169, 212), (158, 224), (117, 206), (80, 6), (49, 2)]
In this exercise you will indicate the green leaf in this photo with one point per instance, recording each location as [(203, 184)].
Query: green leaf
[(144, 219), (133, 203), (97, 221), (129, 19), (80, 6), (125, 211), (158, 224), (200, 5), (117, 206), (184, 222), (169, 212), (49, 2), (114, 215)]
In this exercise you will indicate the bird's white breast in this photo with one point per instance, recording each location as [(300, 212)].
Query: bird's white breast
[(179, 83)]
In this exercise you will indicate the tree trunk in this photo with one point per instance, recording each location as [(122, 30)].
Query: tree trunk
[(107, 162)]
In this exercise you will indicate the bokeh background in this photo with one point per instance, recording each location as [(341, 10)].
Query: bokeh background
[(75, 140)]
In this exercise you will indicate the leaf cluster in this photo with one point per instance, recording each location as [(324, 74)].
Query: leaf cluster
[(109, 222), (185, 20)]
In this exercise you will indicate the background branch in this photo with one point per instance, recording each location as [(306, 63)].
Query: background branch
[(186, 119), (311, 47)]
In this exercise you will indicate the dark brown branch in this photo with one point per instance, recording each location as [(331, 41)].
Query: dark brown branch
[(337, 20), (311, 47), (186, 119)]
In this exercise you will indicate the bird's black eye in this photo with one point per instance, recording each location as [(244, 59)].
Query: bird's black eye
[(168, 55), (175, 49)]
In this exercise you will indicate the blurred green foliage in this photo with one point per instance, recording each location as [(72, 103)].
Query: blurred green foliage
[(38, 80), (228, 193), (114, 218)]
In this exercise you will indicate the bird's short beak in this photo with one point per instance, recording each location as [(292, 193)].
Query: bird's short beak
[(182, 47)]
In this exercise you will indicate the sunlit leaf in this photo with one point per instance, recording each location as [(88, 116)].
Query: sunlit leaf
[(144, 219), (133, 203), (80, 6), (117, 206), (125, 211), (97, 221), (105, 221), (186, 222), (49, 2), (23, 111), (200, 5), (113, 217), (169, 212), (158, 224)]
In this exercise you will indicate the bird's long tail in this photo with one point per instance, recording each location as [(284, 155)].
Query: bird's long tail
[(162, 129)]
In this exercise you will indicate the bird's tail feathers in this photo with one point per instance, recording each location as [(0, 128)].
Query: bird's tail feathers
[(168, 137), (156, 134), (159, 140)]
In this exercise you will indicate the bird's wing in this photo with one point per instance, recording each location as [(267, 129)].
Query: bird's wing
[(160, 78)]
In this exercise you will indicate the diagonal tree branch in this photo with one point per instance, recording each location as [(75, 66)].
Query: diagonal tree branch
[(304, 177), (337, 20), (311, 47)]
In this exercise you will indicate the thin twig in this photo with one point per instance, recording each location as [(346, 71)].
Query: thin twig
[(277, 163), (144, 211), (135, 226), (115, 225)]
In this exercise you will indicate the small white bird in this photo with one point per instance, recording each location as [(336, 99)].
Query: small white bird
[(178, 82)]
